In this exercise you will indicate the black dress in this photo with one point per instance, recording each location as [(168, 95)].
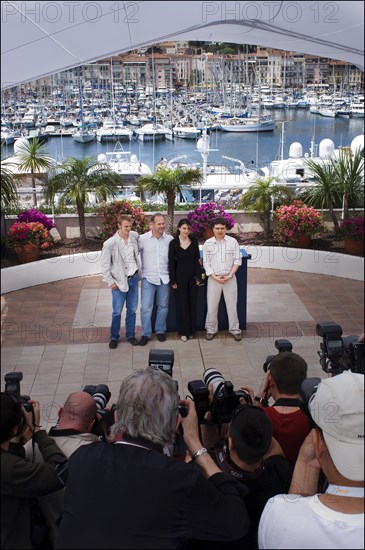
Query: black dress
[(185, 270)]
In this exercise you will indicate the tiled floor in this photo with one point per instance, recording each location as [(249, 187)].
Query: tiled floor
[(57, 334)]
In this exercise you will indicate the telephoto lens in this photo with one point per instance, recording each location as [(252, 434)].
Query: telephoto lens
[(214, 377), (101, 396)]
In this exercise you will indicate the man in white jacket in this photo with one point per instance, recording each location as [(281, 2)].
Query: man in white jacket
[(120, 265), (308, 517)]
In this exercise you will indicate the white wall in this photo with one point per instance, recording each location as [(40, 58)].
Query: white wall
[(80, 265)]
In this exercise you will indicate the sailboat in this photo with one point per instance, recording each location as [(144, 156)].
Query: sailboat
[(250, 123), (112, 130), (83, 135)]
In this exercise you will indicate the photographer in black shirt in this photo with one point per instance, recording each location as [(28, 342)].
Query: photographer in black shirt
[(127, 493), (21, 480), (245, 449)]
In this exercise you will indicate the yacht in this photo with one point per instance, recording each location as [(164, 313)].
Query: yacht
[(357, 109), (28, 120), (66, 122), (83, 135), (125, 164), (9, 136), (111, 131), (329, 112), (294, 171), (250, 124), (186, 131), (224, 183), (151, 131)]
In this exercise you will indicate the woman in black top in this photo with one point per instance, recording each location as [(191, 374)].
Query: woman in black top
[(185, 276)]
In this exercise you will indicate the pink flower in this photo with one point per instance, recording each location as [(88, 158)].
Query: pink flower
[(295, 219)]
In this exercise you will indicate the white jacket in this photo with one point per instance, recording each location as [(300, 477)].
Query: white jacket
[(113, 267)]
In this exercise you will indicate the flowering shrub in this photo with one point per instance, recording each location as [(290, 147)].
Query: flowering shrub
[(295, 219), (353, 228), (33, 215), (111, 212), (202, 217), (22, 233)]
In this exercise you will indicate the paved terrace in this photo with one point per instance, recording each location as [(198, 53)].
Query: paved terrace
[(57, 334)]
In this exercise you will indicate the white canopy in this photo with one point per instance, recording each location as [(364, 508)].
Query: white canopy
[(43, 38)]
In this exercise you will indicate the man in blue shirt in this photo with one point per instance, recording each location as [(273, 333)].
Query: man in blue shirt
[(154, 248)]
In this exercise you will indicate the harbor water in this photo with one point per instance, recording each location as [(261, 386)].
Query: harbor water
[(254, 149)]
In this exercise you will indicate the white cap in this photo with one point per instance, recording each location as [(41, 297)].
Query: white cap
[(337, 408)]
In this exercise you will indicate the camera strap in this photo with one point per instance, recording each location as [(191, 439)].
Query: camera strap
[(288, 402), (226, 465), (57, 432)]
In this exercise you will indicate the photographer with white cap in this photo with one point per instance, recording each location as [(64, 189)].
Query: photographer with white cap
[(335, 518)]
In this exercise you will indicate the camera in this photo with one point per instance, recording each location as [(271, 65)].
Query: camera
[(12, 385), (101, 394), (163, 359), (225, 398), (308, 388), (337, 353), (281, 345)]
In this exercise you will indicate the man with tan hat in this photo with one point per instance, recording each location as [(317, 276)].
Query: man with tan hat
[(335, 518)]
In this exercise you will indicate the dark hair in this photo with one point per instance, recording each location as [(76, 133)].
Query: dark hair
[(251, 432), (220, 221), (288, 370), (183, 221), (11, 415)]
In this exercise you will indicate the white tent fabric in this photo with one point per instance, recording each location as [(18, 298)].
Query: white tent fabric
[(42, 38)]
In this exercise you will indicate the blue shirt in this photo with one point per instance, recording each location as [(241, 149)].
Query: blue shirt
[(154, 257)]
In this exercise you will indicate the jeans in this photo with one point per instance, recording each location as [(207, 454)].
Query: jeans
[(148, 293), (118, 300)]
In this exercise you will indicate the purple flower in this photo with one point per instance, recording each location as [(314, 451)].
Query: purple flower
[(353, 228), (33, 215), (203, 216)]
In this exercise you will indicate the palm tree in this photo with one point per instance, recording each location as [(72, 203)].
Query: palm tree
[(9, 195), (260, 198), (77, 178), (325, 194), (349, 173), (31, 155), (342, 176), (168, 181)]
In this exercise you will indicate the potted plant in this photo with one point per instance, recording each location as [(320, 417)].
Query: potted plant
[(352, 232), (111, 212), (297, 223), (202, 217), (33, 215), (27, 239)]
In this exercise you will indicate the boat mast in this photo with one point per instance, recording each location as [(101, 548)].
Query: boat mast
[(282, 140), (81, 105), (203, 148), (154, 107), (112, 91)]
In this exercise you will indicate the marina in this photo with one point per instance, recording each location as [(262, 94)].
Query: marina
[(254, 149), (249, 135)]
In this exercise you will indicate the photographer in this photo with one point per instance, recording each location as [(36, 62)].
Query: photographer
[(76, 420), (282, 382), (251, 455), (335, 518), (21, 480), (154, 501)]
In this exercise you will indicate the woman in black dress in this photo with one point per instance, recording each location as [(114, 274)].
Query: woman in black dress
[(185, 277)]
